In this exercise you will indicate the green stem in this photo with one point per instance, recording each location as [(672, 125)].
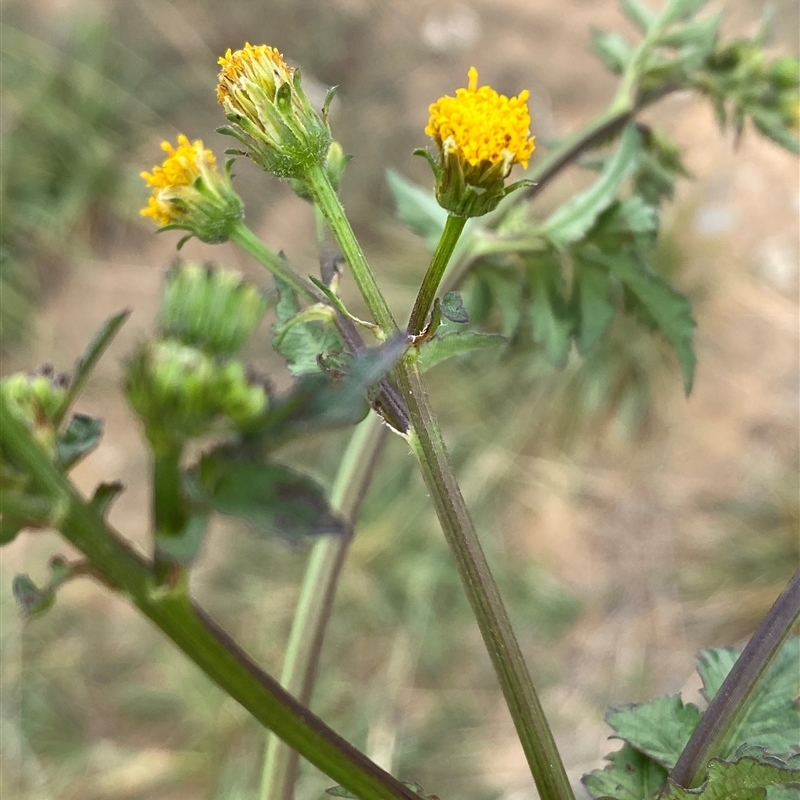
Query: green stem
[(433, 277), (328, 202), (169, 507), (730, 703), (533, 730), (193, 632), (247, 240), (429, 448), (315, 603)]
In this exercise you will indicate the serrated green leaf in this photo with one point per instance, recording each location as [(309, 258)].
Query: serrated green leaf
[(669, 309), (772, 718), (659, 728), (639, 14), (624, 222), (82, 435), (590, 301), (440, 348), (302, 336), (612, 49), (745, 779), (88, 361), (571, 221), (417, 207), (630, 775), (549, 315), (274, 499)]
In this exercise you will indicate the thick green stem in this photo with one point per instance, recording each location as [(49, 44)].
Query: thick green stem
[(316, 597), (533, 730), (248, 241), (433, 277), (193, 632), (730, 703), (328, 202)]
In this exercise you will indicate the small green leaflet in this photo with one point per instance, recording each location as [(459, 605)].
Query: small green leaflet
[(571, 221), (611, 49), (590, 301), (549, 316), (300, 336), (82, 435), (641, 15), (88, 361), (668, 308), (440, 348)]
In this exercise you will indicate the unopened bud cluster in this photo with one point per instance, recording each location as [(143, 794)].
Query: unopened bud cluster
[(185, 383), (36, 399)]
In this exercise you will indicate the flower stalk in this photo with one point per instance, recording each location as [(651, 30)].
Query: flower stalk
[(433, 277)]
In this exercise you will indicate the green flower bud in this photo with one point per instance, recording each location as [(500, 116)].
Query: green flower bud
[(263, 98), (785, 72), (180, 393), (35, 399), (213, 310)]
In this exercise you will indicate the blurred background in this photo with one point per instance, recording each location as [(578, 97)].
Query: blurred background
[(629, 527)]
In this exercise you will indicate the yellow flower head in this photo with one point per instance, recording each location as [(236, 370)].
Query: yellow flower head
[(190, 192), (481, 135), (482, 126), (262, 95), (259, 64)]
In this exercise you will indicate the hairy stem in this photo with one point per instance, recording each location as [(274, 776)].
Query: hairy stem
[(316, 597), (731, 701), (532, 727), (328, 203), (433, 277), (194, 632), (428, 446), (248, 241)]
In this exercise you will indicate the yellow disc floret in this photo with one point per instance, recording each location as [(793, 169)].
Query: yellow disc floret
[(482, 126), (181, 168), (261, 64)]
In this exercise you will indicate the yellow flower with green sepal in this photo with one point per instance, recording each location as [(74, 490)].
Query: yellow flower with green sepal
[(191, 193), (480, 135)]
